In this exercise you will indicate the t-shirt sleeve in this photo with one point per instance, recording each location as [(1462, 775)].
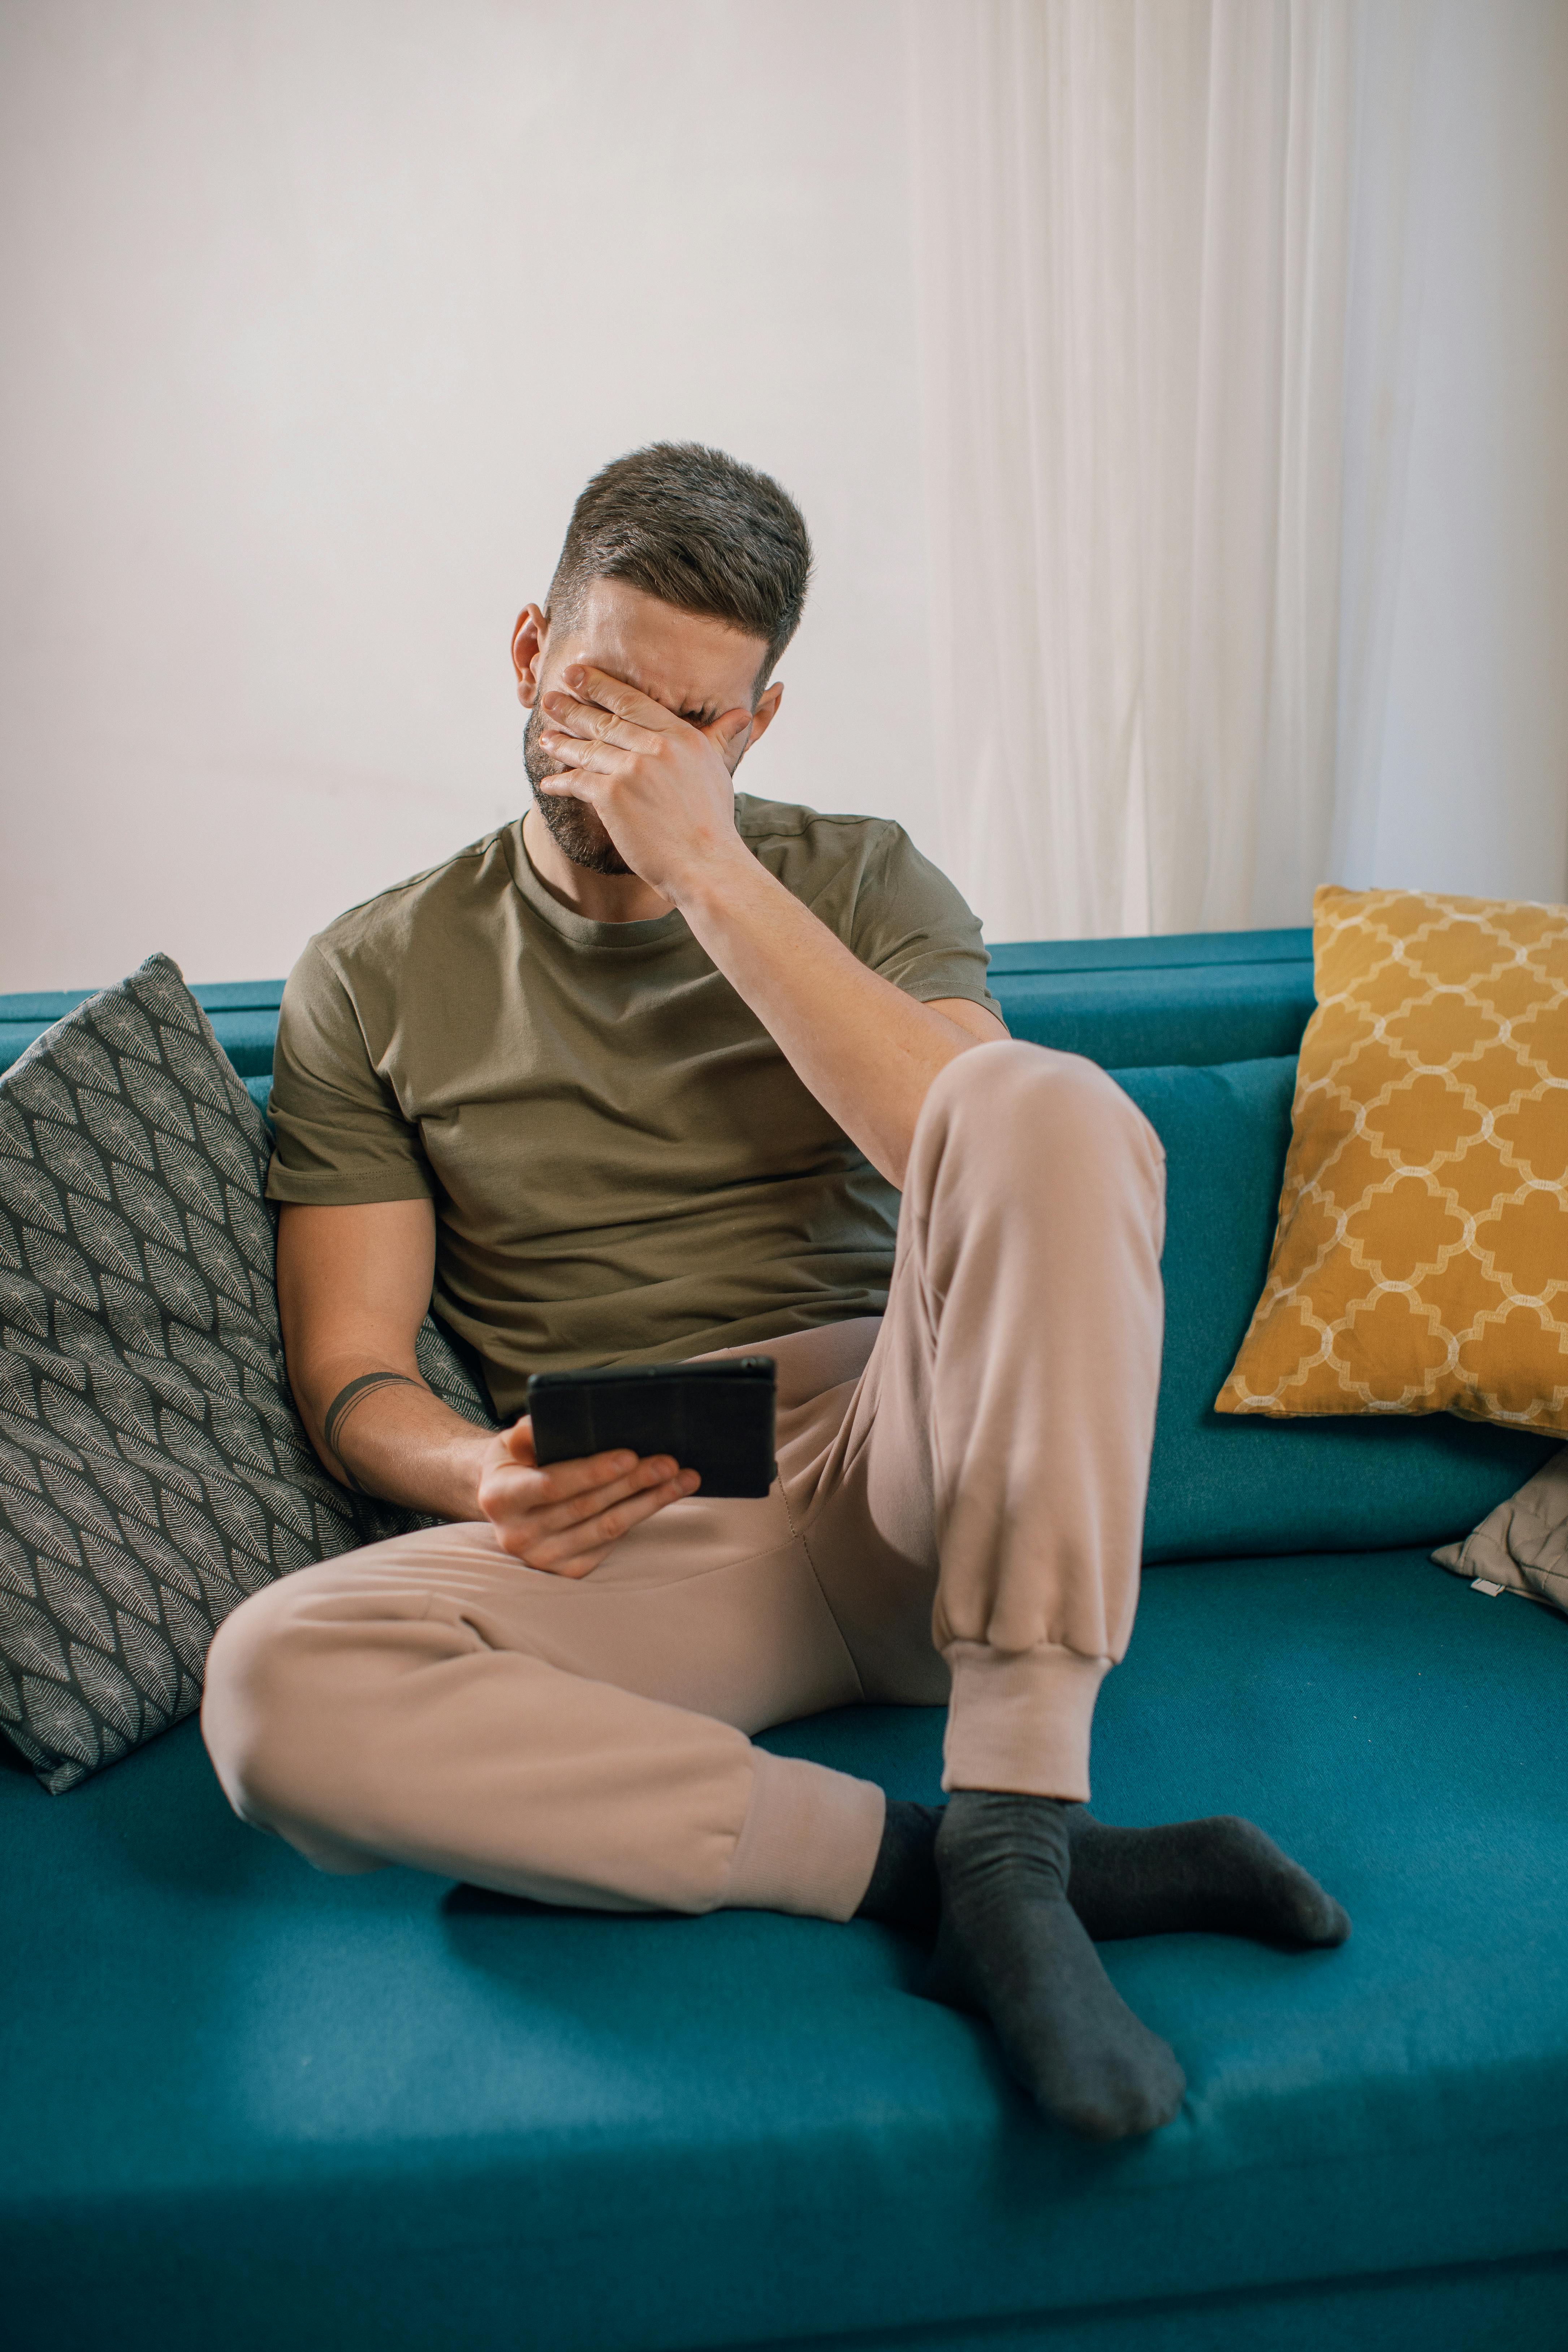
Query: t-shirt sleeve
[(912, 926), (342, 1139)]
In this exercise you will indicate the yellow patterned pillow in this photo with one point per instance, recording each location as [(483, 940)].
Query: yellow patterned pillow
[(1420, 1263)]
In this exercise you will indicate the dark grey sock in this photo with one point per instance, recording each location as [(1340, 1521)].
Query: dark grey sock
[(1221, 1875), (1012, 1948), (903, 1892)]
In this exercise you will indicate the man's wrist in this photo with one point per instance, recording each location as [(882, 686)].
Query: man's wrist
[(403, 1466), (717, 882), (474, 1459)]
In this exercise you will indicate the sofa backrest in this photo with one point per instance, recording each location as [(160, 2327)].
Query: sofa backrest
[(243, 1013), (1202, 996), (1202, 1030)]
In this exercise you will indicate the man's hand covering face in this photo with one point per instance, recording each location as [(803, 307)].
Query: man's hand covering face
[(660, 787)]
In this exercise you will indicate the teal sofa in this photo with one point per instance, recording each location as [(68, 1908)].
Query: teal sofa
[(245, 2106)]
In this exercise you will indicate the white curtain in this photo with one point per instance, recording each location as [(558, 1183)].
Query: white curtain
[(1136, 264)]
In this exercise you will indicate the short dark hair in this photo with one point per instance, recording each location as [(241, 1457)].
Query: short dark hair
[(696, 530)]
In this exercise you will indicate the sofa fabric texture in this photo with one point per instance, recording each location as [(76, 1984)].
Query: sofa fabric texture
[(1186, 997), (319, 2112), (153, 1469), (1421, 1259)]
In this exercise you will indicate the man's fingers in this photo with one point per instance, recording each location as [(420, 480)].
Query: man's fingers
[(578, 758), (730, 729), (583, 764), (572, 1551), (520, 1502), (558, 1481), (590, 721), (606, 1528), (568, 1493), (576, 1510), (614, 693), (519, 1441)]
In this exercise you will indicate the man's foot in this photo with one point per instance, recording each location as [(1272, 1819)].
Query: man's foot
[(1012, 1948), (1222, 1876), (903, 1892)]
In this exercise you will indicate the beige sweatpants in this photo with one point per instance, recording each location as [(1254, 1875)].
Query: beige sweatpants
[(958, 1510)]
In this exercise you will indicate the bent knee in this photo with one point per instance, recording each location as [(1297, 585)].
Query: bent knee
[(300, 1709), (1036, 1099)]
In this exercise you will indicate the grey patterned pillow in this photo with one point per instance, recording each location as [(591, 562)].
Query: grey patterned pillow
[(153, 1469)]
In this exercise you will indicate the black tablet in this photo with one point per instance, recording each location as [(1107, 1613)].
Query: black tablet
[(714, 1418)]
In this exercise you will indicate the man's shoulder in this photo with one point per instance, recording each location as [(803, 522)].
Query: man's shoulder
[(399, 918), (870, 859), (864, 878), (782, 821), (803, 847)]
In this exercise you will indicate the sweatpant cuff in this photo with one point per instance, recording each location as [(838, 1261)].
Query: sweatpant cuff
[(1019, 1719), (808, 1842)]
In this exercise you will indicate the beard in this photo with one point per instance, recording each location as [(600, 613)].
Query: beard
[(574, 826)]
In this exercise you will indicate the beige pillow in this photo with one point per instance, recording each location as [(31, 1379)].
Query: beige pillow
[(1420, 1261), (1522, 1546)]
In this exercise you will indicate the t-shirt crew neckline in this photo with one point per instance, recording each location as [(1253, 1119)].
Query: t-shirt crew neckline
[(607, 938)]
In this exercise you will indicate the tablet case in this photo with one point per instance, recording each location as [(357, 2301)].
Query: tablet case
[(714, 1418)]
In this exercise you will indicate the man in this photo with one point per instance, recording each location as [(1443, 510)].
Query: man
[(642, 1077)]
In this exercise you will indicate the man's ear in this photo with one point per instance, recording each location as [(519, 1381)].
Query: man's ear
[(529, 639)]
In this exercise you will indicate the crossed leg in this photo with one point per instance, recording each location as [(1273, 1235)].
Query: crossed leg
[(960, 1503)]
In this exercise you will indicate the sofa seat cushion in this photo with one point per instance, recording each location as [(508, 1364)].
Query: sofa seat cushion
[(253, 2106)]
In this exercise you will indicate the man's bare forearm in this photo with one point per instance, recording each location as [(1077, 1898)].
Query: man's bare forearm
[(867, 1052), (664, 791), (383, 1432), (353, 1288)]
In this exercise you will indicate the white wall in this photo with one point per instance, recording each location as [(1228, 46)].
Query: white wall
[(1472, 788), (318, 314)]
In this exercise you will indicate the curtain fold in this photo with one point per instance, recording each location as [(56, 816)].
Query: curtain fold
[(1135, 258)]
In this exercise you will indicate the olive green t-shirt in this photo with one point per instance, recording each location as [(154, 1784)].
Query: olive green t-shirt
[(623, 1166)]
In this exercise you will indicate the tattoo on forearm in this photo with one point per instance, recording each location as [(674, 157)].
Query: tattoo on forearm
[(343, 1403)]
